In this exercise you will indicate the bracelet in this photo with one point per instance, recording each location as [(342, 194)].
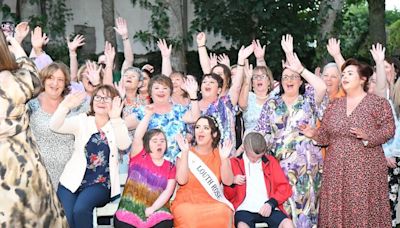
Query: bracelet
[(194, 99), (241, 65), (301, 72), (201, 46), (127, 38)]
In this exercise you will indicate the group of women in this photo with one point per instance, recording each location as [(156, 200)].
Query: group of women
[(326, 132)]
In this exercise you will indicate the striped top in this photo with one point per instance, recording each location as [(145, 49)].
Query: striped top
[(146, 181)]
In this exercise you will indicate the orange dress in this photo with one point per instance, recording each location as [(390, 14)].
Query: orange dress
[(194, 207), (339, 94)]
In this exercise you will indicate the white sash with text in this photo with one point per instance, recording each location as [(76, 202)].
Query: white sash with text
[(207, 179)]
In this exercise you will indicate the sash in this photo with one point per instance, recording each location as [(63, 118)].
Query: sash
[(207, 179)]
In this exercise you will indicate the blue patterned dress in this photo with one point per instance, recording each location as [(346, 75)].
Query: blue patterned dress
[(171, 124), (299, 158), (224, 112)]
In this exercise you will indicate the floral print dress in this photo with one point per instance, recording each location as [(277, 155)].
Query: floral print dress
[(299, 158), (171, 124)]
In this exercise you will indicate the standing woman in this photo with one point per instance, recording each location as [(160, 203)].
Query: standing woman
[(260, 81), (296, 104), (200, 170), (28, 198), (56, 149), (90, 178), (354, 187)]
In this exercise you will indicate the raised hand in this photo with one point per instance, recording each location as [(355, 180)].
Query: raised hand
[(109, 52), (121, 27), (391, 162), (38, 39), (259, 51), (116, 108), (213, 59), (93, 72), (293, 63), (248, 70), (164, 48), (378, 52), (121, 88), (201, 39), (21, 31), (191, 87), (225, 149), (333, 47), (224, 59), (244, 53), (78, 41), (148, 67), (73, 100), (287, 43), (182, 143)]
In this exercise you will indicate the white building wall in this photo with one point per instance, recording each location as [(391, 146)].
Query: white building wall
[(88, 12)]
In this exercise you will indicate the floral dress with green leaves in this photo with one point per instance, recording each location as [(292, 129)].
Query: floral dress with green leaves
[(299, 158)]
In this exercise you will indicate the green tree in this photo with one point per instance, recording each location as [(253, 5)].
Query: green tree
[(241, 21)]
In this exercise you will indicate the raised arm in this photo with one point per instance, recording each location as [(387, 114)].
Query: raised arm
[(259, 53), (166, 68), (293, 63), (58, 122), (73, 45), (141, 130), (38, 40), (122, 139), (226, 169), (21, 31), (109, 52), (244, 91), (182, 166), (193, 113), (122, 30), (378, 54), (203, 56), (234, 91), (224, 59), (333, 48)]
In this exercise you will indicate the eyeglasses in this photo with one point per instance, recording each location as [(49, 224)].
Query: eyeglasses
[(102, 99), (291, 77), (259, 76)]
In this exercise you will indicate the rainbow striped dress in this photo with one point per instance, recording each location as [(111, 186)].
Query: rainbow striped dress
[(146, 181)]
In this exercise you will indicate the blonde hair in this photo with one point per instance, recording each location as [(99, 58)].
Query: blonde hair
[(395, 97)]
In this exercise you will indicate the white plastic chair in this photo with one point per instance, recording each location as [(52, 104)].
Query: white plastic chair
[(109, 209)]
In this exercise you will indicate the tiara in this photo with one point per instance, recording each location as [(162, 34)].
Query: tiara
[(214, 120)]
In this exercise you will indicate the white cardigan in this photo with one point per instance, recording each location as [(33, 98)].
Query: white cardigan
[(83, 127)]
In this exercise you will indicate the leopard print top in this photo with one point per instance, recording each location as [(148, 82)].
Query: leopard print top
[(27, 197)]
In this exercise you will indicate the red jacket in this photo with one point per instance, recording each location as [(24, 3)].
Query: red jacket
[(276, 182)]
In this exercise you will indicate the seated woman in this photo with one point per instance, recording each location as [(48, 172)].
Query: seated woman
[(199, 200), (90, 178), (258, 197), (151, 180)]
